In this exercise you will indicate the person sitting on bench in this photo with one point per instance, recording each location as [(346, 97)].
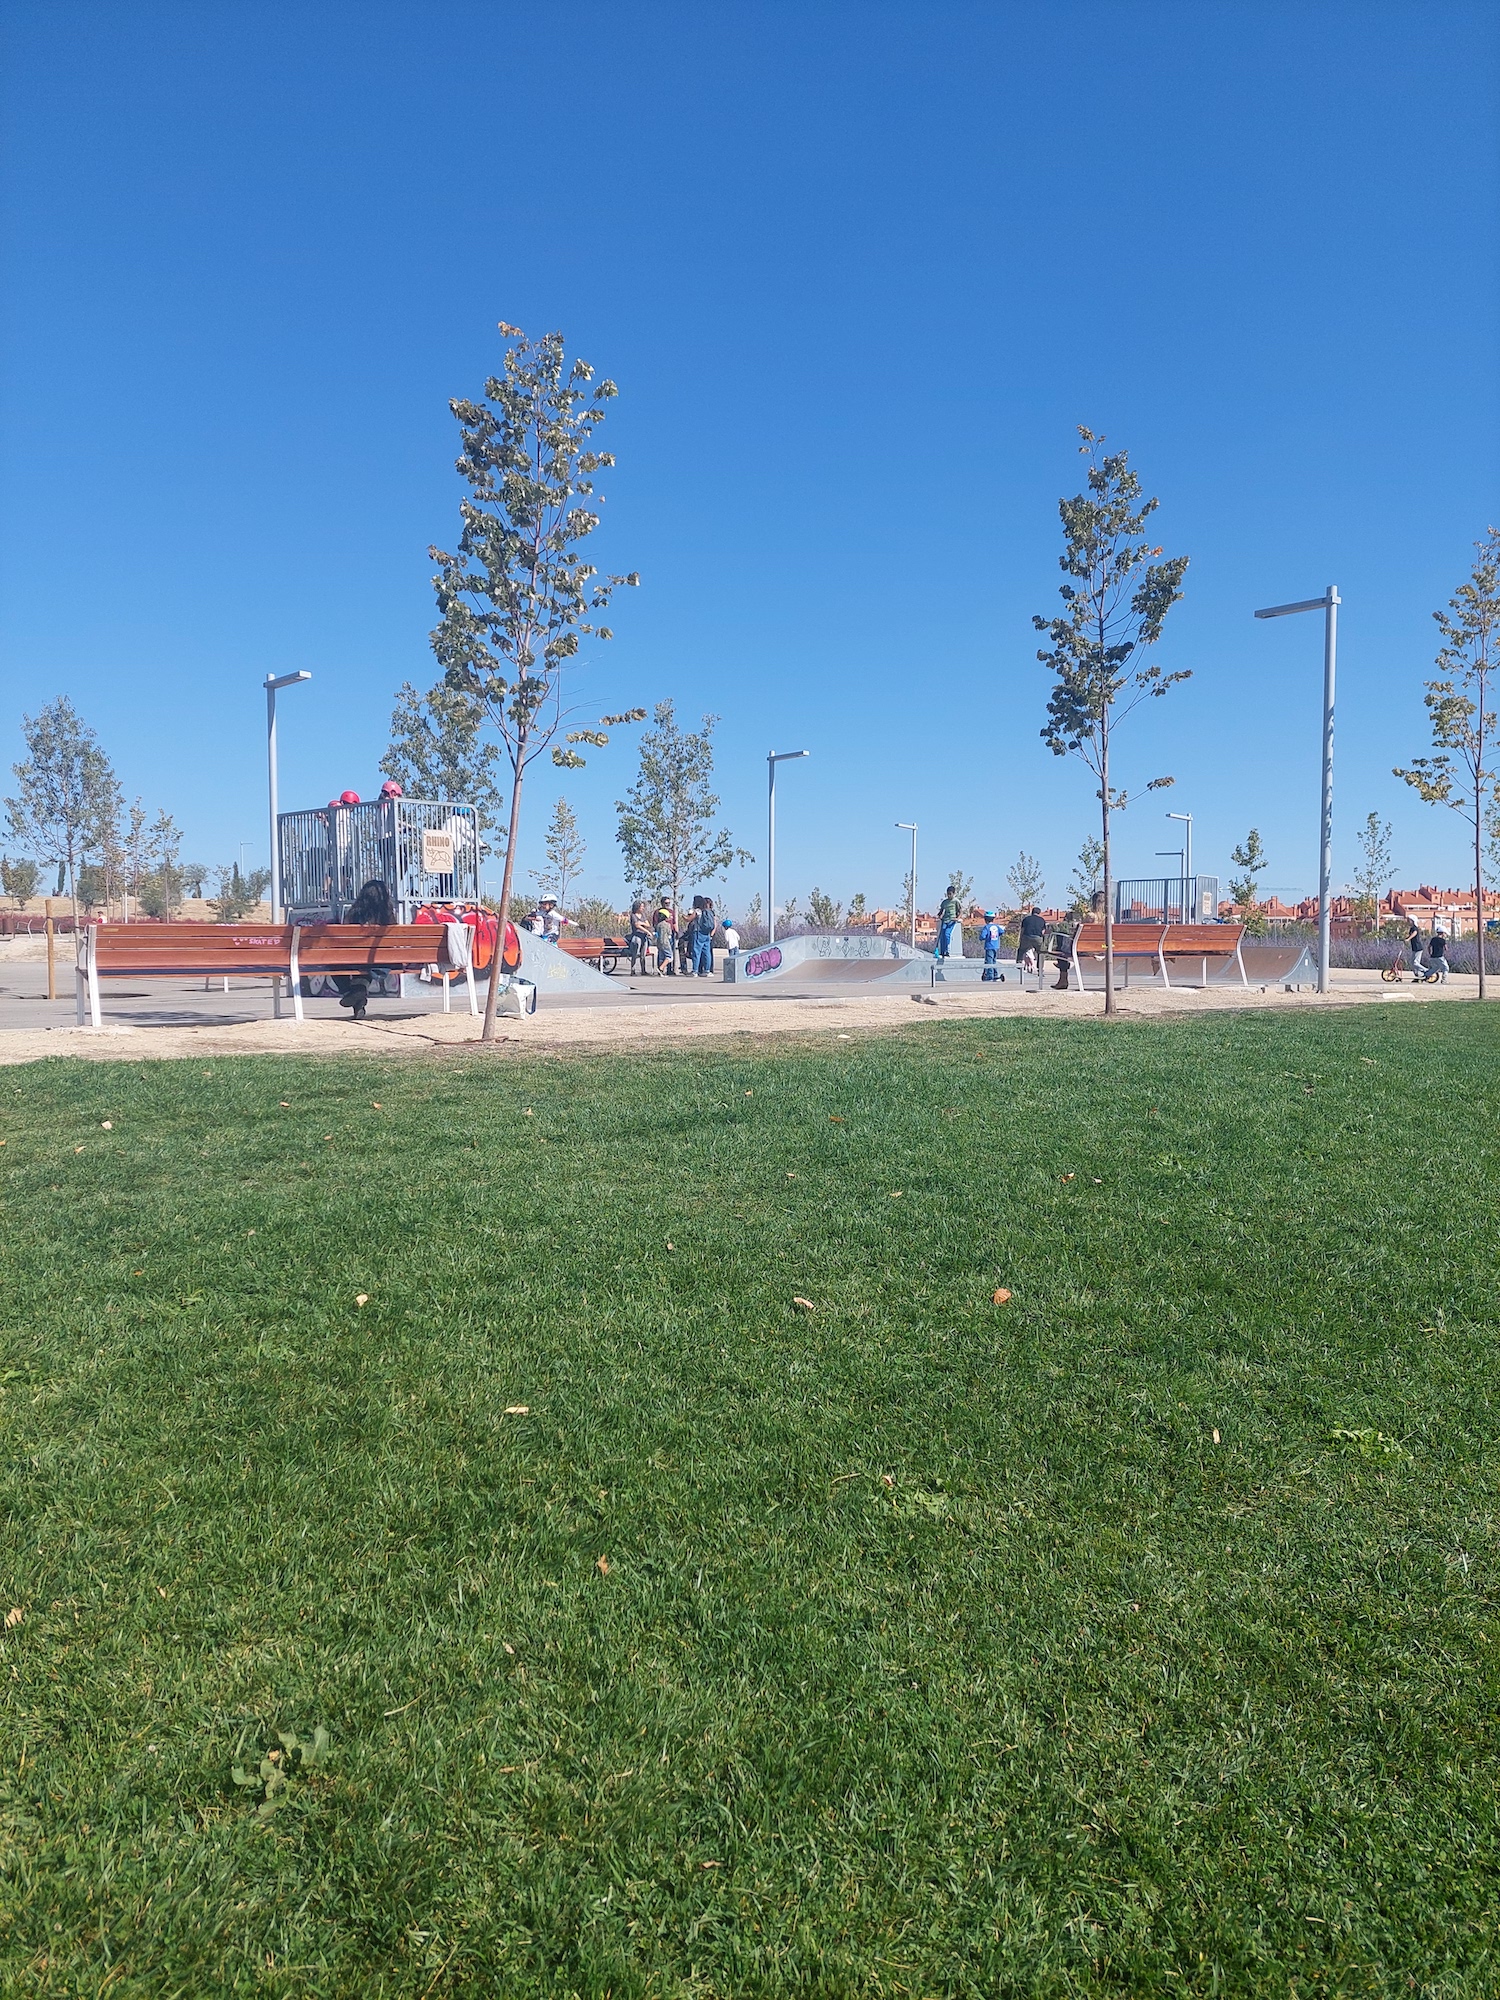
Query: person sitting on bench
[(372, 905)]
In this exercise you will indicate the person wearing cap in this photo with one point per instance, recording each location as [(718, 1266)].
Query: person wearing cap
[(1437, 958), (990, 938), (666, 942)]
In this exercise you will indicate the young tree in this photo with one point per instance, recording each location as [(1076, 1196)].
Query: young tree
[(666, 821), (238, 894), (1244, 888), (1459, 774), (908, 899), (565, 852), (68, 792), (963, 888), (133, 850), (823, 913), (517, 596), (596, 916), (857, 913), (1025, 881), (1115, 607), (1088, 874), (93, 886), (753, 926), (20, 878), (161, 885), (437, 752), (194, 875), (1376, 866)]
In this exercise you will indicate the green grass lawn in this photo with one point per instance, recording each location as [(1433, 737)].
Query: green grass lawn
[(1136, 1636)]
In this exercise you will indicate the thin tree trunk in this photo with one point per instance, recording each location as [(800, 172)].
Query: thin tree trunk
[(1479, 882), (507, 879), (1109, 898)]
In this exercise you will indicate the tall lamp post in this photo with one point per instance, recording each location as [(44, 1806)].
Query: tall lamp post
[(1187, 860), (272, 683), (773, 758), (910, 826), (1328, 604)]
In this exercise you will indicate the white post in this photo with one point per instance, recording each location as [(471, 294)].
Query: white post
[(909, 826), (1325, 859), (1328, 604), (771, 851)]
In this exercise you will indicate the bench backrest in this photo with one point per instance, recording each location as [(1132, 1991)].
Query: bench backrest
[(143, 949), (1128, 937), (1202, 940), (361, 947), (146, 948)]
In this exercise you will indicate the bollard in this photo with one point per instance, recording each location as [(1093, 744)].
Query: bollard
[(49, 928)]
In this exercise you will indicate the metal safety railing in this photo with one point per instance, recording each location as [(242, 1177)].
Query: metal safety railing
[(1168, 899)]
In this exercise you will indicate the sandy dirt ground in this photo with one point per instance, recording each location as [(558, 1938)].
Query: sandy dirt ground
[(561, 1029)]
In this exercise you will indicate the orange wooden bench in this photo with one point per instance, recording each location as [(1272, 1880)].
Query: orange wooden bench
[(284, 951), (1161, 943), (594, 950)]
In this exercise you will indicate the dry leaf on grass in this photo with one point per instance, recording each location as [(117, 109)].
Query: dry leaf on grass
[(376, 1107), (78, 1149), (806, 1304), (1002, 1297), (108, 1125), (1066, 1177), (602, 1565), (1216, 1437), (834, 1119), (361, 1298), (518, 1409), (14, 1617)]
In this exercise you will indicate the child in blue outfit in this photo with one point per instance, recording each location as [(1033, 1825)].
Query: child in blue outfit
[(990, 938)]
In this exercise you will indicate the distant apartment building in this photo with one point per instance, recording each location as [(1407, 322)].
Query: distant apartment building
[(1430, 908)]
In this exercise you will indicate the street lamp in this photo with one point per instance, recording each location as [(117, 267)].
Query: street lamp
[(272, 683), (1187, 858), (773, 758), (910, 826), (1328, 604)]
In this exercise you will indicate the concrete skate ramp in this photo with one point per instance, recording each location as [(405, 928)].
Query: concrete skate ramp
[(1279, 964), (552, 971), (858, 956)]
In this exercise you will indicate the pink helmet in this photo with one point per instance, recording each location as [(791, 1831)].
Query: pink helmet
[(390, 789), (348, 798)]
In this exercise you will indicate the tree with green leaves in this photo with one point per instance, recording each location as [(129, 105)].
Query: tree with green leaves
[(963, 888), (1373, 871), (857, 913), (1025, 881), (19, 879), (666, 822), (1244, 889), (238, 896), (1115, 605), (596, 916), (437, 751), (161, 884), (517, 597), (1088, 876), (1459, 773), (824, 913), (68, 793), (565, 852)]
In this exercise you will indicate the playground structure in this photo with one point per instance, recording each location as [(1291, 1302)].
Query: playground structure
[(425, 851)]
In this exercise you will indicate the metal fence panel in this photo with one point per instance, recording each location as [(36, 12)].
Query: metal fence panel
[(1169, 899), (424, 851)]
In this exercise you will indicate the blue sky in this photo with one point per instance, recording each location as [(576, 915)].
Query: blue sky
[(859, 272)]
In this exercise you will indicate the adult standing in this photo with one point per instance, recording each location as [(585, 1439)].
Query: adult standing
[(1029, 943), (1414, 946), (702, 931), (638, 939)]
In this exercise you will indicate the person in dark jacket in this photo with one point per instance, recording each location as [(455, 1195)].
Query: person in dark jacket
[(1437, 958), (1414, 946), (1029, 943), (372, 905), (701, 930)]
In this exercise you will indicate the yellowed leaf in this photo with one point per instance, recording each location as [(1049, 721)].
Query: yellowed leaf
[(14, 1617), (806, 1304), (602, 1565), (1002, 1297), (361, 1298), (518, 1409), (108, 1125)]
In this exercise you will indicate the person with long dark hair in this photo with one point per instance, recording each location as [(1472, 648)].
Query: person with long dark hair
[(372, 905)]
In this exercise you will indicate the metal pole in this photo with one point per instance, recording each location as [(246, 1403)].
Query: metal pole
[(1325, 859), (771, 851), (914, 888), (271, 783)]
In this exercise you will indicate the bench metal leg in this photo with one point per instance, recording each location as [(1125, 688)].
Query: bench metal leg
[(469, 976), (1241, 964), (80, 994), (296, 973), (447, 996)]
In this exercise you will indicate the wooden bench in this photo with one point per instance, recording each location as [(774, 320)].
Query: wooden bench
[(283, 951), (595, 950), (1162, 944)]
